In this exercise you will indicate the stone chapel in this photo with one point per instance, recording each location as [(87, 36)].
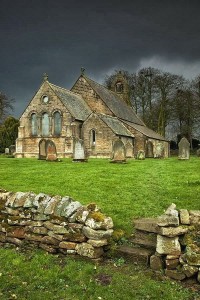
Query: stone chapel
[(89, 112)]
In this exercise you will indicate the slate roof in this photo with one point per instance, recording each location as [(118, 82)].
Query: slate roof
[(116, 125), (146, 131), (73, 102), (114, 102)]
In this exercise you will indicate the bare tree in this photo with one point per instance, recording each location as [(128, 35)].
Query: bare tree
[(5, 106), (166, 85)]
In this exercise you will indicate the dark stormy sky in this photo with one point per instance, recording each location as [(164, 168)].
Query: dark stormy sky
[(61, 36)]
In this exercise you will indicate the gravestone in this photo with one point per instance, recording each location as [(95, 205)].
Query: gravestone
[(184, 149), (79, 151), (42, 149), (129, 150), (159, 150), (119, 153), (51, 151), (7, 152), (149, 149), (12, 149), (141, 155)]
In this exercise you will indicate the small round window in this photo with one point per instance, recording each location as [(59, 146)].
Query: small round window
[(45, 99)]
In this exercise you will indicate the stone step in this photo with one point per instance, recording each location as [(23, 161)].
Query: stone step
[(147, 224), (134, 254)]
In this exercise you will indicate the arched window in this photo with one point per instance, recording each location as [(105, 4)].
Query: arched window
[(93, 137), (45, 124), (34, 128), (57, 123), (119, 87)]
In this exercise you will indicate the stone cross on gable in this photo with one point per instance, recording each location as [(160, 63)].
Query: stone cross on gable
[(45, 76)]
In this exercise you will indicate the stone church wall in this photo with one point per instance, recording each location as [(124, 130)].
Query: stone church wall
[(29, 144), (95, 103), (104, 137), (55, 224)]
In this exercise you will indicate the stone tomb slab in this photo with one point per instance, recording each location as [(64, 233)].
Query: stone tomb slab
[(119, 152), (159, 150), (51, 151), (184, 149), (79, 151), (42, 149)]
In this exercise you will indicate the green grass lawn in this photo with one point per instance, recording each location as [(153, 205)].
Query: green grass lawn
[(123, 191)]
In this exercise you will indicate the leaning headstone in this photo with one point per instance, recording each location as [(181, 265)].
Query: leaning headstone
[(141, 155), (119, 153), (184, 149), (159, 150), (79, 151), (7, 152), (51, 151), (42, 149)]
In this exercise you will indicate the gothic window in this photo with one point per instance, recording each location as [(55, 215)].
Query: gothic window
[(57, 123), (45, 124), (93, 137), (119, 87), (34, 124)]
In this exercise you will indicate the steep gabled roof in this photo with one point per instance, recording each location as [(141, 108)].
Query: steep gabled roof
[(73, 102), (116, 125), (114, 102), (146, 131)]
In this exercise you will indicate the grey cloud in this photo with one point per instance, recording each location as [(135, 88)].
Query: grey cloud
[(59, 37)]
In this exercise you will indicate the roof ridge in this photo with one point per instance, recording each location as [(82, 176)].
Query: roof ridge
[(102, 86), (64, 89), (108, 116)]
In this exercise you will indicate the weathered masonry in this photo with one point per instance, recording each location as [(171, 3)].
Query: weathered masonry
[(170, 242), (55, 224), (89, 112)]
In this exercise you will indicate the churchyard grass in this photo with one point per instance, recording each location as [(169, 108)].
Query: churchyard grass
[(38, 276), (123, 191)]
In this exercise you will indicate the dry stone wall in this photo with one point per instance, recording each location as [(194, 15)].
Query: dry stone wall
[(55, 224), (175, 238)]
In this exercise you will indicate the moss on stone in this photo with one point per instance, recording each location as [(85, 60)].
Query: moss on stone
[(97, 216), (118, 234), (92, 206)]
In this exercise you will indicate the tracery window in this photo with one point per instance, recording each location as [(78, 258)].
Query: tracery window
[(45, 124)]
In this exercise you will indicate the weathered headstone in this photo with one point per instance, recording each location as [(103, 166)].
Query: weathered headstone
[(184, 149), (12, 149), (159, 150), (51, 151), (7, 152), (119, 153), (79, 151), (42, 149), (129, 150), (149, 149), (141, 155)]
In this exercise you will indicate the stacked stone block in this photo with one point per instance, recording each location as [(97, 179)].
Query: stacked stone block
[(55, 224), (175, 237)]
